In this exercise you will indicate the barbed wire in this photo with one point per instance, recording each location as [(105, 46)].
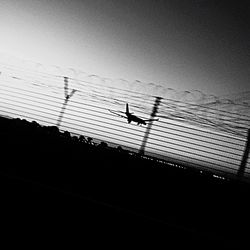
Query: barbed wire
[(189, 96)]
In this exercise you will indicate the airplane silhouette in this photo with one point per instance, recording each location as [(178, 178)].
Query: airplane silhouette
[(133, 118)]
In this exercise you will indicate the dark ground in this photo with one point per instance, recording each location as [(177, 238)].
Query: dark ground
[(54, 186)]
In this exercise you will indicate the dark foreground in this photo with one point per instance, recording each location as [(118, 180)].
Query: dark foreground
[(64, 188)]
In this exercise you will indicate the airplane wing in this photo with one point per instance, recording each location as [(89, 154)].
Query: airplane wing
[(117, 113), (150, 120)]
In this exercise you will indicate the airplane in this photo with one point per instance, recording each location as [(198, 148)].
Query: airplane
[(133, 118)]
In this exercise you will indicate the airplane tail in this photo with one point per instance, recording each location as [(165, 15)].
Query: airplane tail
[(127, 109)]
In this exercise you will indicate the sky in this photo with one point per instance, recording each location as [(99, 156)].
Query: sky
[(181, 44)]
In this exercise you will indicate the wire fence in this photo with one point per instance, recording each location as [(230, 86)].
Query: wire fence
[(191, 133)]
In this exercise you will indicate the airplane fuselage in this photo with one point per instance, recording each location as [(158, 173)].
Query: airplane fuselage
[(132, 118), (135, 119)]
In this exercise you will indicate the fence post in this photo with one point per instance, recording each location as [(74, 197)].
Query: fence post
[(243, 163), (153, 114), (67, 97)]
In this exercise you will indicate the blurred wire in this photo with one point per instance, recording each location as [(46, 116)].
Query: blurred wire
[(210, 142)]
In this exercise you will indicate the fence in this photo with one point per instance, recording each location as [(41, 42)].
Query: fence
[(190, 133)]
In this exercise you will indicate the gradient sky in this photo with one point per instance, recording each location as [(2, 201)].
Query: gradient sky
[(181, 44)]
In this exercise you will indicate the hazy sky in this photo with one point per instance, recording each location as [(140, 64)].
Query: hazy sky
[(181, 44)]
